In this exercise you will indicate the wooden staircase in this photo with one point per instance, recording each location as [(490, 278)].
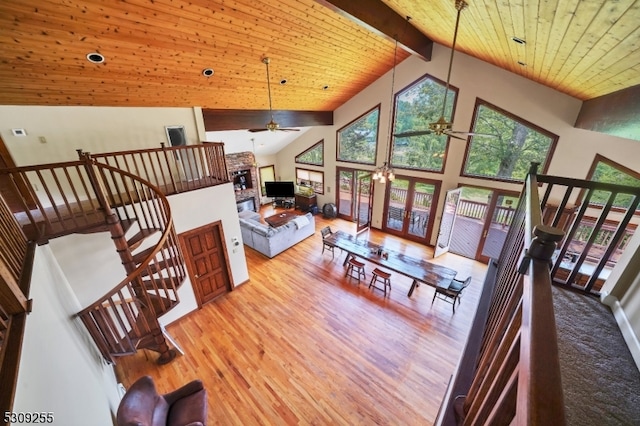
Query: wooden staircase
[(88, 196)]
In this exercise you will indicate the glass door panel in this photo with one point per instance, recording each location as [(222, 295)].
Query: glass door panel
[(363, 200), (446, 223), (396, 205), (468, 225), (345, 194), (409, 207), (420, 208), (502, 210)]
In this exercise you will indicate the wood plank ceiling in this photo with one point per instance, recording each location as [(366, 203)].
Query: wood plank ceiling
[(156, 50)]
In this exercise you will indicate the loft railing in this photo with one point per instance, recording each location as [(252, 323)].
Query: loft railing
[(173, 169), (59, 199), (16, 258), (512, 374)]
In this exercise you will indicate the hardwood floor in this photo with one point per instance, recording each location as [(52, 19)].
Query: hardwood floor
[(301, 344)]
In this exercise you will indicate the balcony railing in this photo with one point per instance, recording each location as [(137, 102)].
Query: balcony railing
[(511, 375)]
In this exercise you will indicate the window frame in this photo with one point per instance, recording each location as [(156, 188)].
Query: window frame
[(375, 154), (312, 147), (320, 172), (545, 166), (456, 92), (597, 159)]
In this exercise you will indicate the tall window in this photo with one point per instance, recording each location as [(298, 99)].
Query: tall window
[(608, 171), (313, 155), (505, 145), (416, 107), (311, 178), (357, 140)]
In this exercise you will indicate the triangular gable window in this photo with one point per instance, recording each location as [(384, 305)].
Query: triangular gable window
[(313, 155)]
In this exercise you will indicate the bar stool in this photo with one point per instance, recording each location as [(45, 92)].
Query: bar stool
[(357, 267), (383, 277)]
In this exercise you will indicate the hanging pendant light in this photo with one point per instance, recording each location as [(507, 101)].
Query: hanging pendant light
[(384, 173)]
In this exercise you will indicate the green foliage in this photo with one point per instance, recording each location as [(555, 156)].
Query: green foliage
[(609, 174), (509, 152), (416, 107), (357, 141), (313, 155)]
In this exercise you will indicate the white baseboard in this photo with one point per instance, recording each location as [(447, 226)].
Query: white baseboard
[(625, 326)]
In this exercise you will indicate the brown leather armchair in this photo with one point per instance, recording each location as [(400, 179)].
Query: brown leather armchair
[(143, 406)]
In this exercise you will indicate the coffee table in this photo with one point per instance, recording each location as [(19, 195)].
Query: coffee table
[(280, 219)]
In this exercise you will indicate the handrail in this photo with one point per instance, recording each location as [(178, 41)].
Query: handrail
[(128, 312), (172, 169), (516, 378)]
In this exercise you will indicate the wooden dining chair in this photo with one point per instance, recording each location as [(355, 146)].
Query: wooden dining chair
[(325, 232), (452, 293)]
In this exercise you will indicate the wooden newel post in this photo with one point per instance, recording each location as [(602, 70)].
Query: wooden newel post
[(545, 241)]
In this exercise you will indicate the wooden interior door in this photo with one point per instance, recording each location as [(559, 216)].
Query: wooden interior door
[(207, 261)]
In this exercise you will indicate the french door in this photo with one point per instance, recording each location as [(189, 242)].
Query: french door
[(446, 223), (354, 196), (410, 207), (479, 223)]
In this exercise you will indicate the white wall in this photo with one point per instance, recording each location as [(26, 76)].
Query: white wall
[(61, 369), (93, 129), (92, 266)]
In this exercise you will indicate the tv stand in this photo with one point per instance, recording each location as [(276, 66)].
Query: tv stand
[(287, 203)]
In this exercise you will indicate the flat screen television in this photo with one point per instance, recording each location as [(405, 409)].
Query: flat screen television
[(279, 189)]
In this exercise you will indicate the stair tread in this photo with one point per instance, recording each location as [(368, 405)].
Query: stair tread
[(135, 241), (139, 257)]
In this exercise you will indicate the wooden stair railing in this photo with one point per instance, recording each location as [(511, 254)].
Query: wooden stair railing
[(511, 375), (172, 169), (86, 196), (126, 318), (16, 263)]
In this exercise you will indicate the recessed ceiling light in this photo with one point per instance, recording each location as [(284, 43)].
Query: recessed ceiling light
[(518, 40), (207, 72), (95, 58), (325, 87), (283, 81)]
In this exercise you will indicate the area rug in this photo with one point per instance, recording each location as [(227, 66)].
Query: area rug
[(600, 379)]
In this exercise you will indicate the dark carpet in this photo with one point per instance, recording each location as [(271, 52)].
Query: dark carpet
[(600, 379)]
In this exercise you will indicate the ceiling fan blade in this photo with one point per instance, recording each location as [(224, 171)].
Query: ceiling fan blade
[(412, 133), (289, 130), (472, 133), (451, 135), (257, 130)]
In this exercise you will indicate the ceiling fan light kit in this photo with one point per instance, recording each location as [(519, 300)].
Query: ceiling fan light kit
[(271, 126)]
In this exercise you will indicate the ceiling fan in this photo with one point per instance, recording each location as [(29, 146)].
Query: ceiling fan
[(271, 126), (442, 126)]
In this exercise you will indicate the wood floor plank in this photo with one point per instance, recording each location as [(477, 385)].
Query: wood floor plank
[(301, 344)]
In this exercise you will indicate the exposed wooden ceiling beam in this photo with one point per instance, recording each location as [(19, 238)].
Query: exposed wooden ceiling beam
[(616, 114), (381, 19), (240, 119)]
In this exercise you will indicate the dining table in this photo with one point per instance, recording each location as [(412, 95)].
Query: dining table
[(419, 270)]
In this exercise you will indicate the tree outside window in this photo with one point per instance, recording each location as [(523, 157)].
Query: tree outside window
[(505, 145), (607, 171), (357, 141), (416, 107), (313, 155)]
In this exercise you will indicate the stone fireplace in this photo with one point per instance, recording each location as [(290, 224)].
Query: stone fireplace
[(244, 176)]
